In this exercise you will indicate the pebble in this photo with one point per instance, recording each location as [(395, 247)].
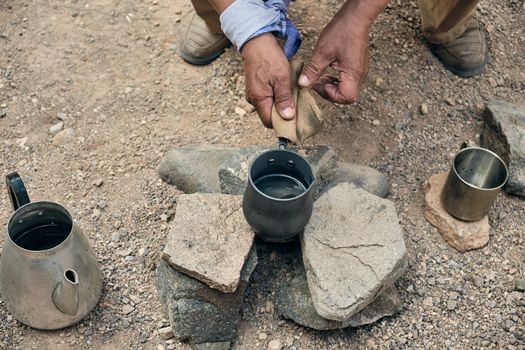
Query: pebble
[(166, 333), (143, 251), (274, 344), (102, 204), (376, 122), (424, 109), (3, 113), (98, 182), (240, 112), (127, 309), (263, 336), (64, 136), (519, 284), (115, 237), (428, 301), (451, 305), (161, 347), (493, 82), (55, 129), (124, 252)]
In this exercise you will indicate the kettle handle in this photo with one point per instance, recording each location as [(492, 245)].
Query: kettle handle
[(16, 190)]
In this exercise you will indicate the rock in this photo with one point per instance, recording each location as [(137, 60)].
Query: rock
[(98, 182), (293, 301), (263, 336), (353, 250), (194, 168), (376, 122), (233, 172), (64, 136), (166, 333), (519, 284), (274, 344), (461, 235), (55, 129), (198, 313), (127, 309), (115, 236), (503, 134), (3, 113), (363, 177), (209, 239), (451, 305), (212, 346), (240, 112), (424, 109)]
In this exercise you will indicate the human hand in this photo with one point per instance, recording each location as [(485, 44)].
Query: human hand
[(343, 46), (267, 73)]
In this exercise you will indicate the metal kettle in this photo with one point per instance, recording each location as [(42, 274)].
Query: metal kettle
[(49, 275)]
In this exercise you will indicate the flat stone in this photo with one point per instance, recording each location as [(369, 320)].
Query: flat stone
[(193, 168), (197, 313), (64, 136), (127, 309), (233, 172), (461, 235), (353, 250), (293, 301), (209, 239), (166, 333), (503, 134), (363, 177)]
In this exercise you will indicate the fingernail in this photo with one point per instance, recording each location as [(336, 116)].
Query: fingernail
[(288, 113), (303, 80)]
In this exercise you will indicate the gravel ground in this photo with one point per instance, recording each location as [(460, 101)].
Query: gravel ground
[(110, 70)]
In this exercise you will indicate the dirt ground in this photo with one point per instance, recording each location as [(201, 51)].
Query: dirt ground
[(110, 69)]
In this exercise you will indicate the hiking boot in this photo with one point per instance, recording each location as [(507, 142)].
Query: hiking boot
[(467, 55), (200, 45)]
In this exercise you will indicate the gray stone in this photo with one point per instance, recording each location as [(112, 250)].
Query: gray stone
[(166, 333), (519, 284), (293, 301), (193, 168), (363, 177), (353, 249), (209, 239), (55, 129), (198, 313), (503, 134), (233, 172)]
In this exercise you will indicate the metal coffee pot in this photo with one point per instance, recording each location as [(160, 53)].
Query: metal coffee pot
[(49, 276), (278, 199)]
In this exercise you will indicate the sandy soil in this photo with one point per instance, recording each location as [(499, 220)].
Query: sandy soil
[(110, 69)]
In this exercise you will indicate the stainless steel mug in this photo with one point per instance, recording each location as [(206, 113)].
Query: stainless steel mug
[(476, 177), (49, 276), (278, 200)]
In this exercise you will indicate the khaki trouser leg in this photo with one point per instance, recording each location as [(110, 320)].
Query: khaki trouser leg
[(444, 20), (206, 11)]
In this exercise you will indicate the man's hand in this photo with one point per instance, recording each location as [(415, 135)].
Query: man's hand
[(343, 45), (267, 73)]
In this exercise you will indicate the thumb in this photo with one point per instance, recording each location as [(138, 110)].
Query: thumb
[(283, 99), (314, 69)]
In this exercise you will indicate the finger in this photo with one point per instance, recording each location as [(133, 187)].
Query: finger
[(264, 109), (346, 90), (283, 97), (315, 68), (320, 87)]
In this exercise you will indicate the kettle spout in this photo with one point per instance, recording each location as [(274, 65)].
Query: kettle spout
[(65, 294)]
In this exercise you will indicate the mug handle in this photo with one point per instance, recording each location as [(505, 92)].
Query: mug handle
[(16, 190)]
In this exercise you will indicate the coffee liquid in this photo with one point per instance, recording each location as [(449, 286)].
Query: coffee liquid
[(280, 186)]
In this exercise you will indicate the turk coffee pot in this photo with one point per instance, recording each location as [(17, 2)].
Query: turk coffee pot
[(278, 199), (49, 276)]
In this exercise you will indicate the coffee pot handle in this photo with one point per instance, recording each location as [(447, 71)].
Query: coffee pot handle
[(16, 190)]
